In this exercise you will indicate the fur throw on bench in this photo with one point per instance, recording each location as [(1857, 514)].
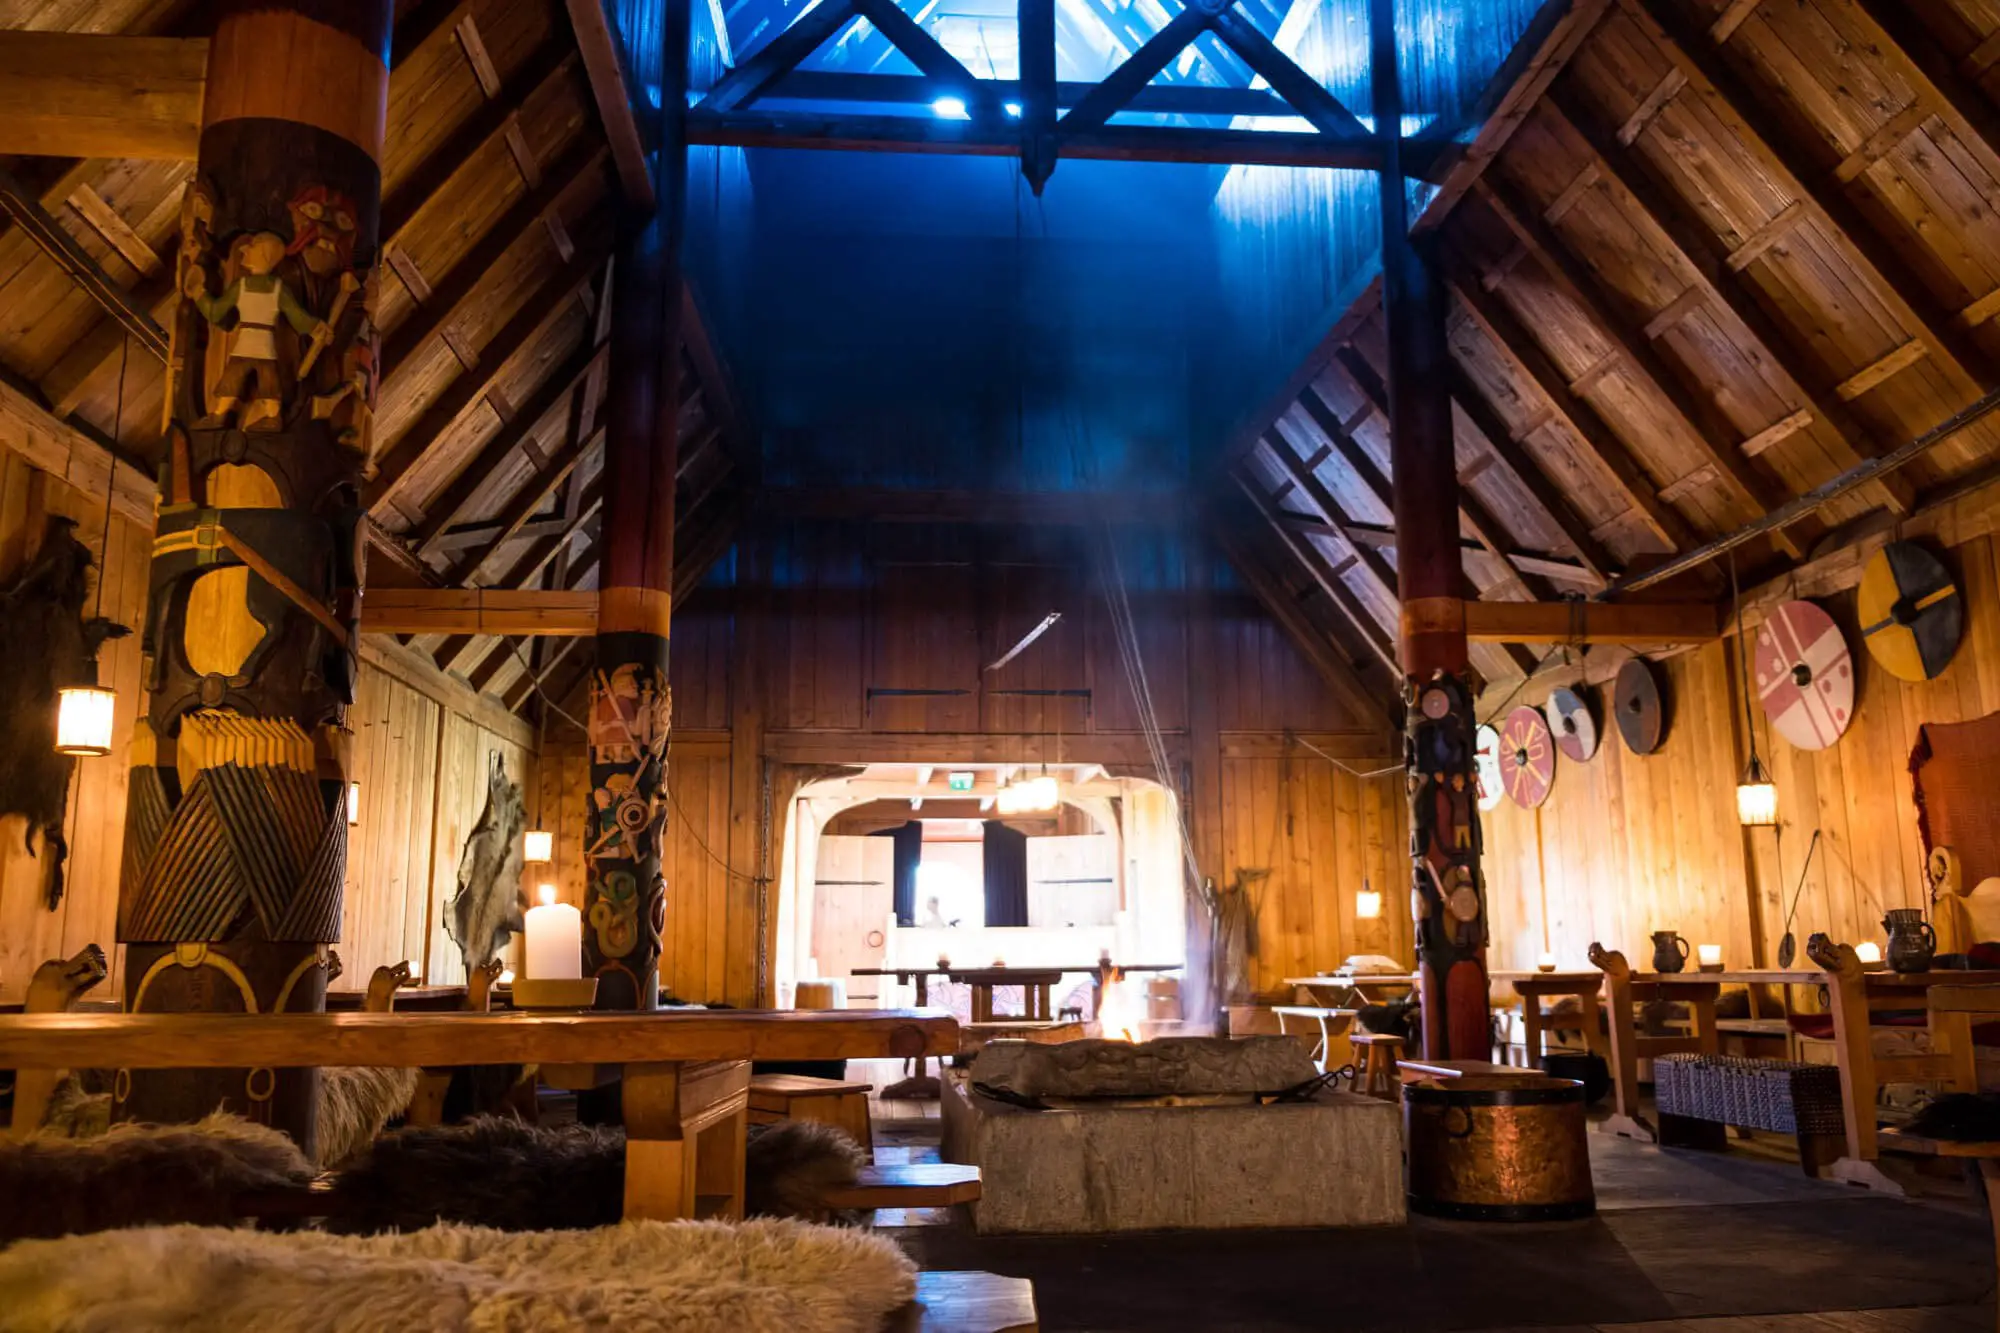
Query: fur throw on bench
[(132, 1175), (767, 1276), (496, 1172)]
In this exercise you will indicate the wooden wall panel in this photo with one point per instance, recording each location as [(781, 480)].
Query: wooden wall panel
[(1626, 846), (394, 759)]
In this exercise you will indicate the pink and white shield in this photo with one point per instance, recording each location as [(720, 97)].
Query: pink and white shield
[(1805, 675)]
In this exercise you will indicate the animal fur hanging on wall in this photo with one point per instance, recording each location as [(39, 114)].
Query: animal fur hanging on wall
[(50, 644), (486, 911)]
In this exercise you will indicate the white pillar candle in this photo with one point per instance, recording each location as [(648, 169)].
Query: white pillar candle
[(1868, 951), (555, 940), (1710, 955), (1546, 963)]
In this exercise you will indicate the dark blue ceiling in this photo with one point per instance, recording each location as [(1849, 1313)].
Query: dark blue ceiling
[(925, 321)]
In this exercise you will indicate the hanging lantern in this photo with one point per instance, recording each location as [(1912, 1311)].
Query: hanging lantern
[(538, 847), (1368, 903), (1756, 798), (83, 720), (353, 803)]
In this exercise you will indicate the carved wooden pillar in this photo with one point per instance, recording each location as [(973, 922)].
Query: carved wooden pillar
[(236, 832), (1448, 893), (625, 900)]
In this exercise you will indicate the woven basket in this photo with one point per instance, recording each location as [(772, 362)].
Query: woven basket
[(1781, 1096)]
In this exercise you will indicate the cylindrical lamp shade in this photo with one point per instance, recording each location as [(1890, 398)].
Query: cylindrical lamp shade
[(353, 803), (538, 846), (83, 720), (1757, 804)]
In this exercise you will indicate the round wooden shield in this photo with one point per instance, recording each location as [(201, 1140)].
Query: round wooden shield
[(1805, 676), (1527, 757), (1486, 766), (1637, 706), (1911, 614), (1571, 723)]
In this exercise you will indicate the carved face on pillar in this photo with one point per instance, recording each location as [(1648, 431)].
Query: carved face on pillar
[(323, 230)]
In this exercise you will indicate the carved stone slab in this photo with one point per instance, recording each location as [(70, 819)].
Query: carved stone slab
[(1169, 1066)]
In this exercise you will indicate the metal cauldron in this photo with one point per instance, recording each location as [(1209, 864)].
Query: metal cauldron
[(1498, 1149)]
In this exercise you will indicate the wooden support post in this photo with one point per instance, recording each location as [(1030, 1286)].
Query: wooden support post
[(236, 822), (1444, 832), (630, 709)]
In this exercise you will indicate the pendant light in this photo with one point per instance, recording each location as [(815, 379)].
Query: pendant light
[(85, 712), (1756, 794)]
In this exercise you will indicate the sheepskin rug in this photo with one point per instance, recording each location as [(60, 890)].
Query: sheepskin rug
[(771, 1276), (354, 1105), (137, 1174), (497, 1172)]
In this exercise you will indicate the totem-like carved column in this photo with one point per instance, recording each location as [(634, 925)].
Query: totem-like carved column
[(1447, 892), (236, 831), (625, 900)]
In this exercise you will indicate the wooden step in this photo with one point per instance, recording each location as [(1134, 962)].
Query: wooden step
[(968, 1303), (914, 1185)]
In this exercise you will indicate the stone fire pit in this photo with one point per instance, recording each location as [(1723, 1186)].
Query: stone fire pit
[(1168, 1134)]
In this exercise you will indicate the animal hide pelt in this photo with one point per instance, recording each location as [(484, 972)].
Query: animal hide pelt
[(355, 1103), (1960, 1117), (49, 645), (496, 1172), (135, 1175), (486, 911), (660, 1277)]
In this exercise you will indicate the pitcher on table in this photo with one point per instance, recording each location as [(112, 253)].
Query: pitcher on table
[(1670, 951)]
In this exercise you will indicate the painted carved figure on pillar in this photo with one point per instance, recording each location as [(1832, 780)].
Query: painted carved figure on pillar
[(1448, 893), (625, 902), (236, 830)]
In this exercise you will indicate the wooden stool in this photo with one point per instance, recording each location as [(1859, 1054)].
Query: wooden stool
[(1377, 1057), (775, 1097)]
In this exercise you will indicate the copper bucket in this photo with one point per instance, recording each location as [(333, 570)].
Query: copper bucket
[(1498, 1150)]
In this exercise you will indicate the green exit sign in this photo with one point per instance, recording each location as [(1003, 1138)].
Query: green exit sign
[(961, 782)]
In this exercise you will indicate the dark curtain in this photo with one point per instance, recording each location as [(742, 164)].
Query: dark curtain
[(909, 851), (1006, 857)]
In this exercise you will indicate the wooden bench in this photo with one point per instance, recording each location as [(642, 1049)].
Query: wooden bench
[(911, 1185), (1332, 1023), (844, 1105), (973, 1036), (968, 1303), (1699, 1095)]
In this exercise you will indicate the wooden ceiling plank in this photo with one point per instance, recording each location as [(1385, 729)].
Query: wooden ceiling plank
[(1703, 252), (778, 57), (1337, 592), (525, 503), (26, 209), (1527, 361), (550, 64), (1971, 115), (453, 292), (597, 44), (448, 506), (1379, 570), (552, 549), (93, 95), (1872, 254), (542, 306), (116, 231), (1641, 361)]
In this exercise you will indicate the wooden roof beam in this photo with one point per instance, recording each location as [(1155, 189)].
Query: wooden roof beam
[(1723, 284), (93, 95), (1871, 253), (26, 209), (1527, 361), (1640, 360), (1648, 623), (541, 308), (1307, 483), (478, 611), (617, 111), (1552, 567), (1329, 582)]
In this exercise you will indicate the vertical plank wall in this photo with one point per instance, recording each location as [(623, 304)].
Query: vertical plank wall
[(1227, 688), (417, 735), (1631, 845)]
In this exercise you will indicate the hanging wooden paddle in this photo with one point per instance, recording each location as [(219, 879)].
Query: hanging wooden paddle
[(1637, 706), (1912, 617)]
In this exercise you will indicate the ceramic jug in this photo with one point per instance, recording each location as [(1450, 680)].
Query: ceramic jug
[(1912, 942), (1670, 951)]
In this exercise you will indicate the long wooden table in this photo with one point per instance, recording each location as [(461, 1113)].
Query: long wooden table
[(1853, 993), (684, 1076)]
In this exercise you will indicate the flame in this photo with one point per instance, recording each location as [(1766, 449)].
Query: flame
[(1119, 1016)]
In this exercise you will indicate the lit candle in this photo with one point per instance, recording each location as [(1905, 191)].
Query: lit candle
[(555, 940), (1868, 951), (1709, 954), (1546, 963)]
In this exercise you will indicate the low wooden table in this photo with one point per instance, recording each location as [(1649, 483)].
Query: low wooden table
[(1534, 987), (685, 1077), (1337, 991)]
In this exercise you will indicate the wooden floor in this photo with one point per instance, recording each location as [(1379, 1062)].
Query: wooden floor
[(1684, 1242)]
